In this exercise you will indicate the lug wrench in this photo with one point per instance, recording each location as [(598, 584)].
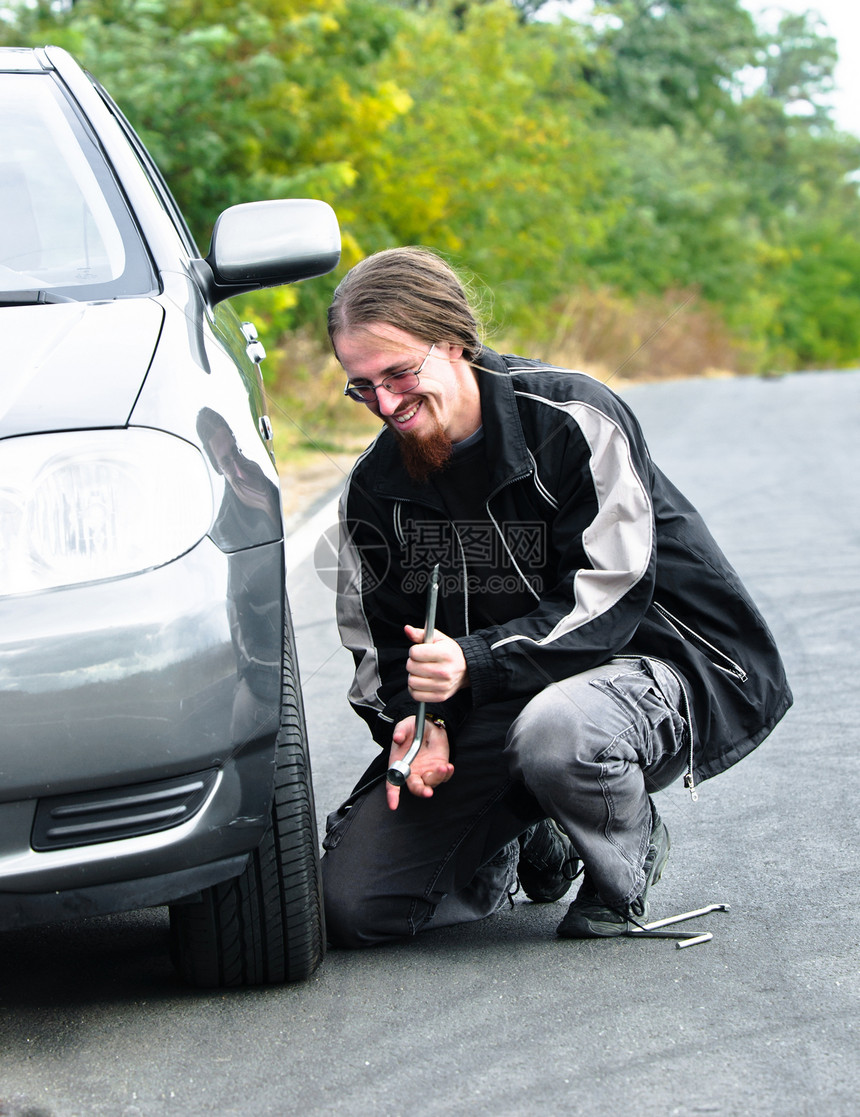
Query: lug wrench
[(685, 938), (399, 771)]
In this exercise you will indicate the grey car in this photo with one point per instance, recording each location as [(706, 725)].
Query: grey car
[(152, 740)]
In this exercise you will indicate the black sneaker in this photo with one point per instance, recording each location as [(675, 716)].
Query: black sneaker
[(589, 918), (548, 862)]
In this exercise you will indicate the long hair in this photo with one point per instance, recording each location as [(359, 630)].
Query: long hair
[(409, 288)]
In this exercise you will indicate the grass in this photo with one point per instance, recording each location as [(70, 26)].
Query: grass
[(616, 338)]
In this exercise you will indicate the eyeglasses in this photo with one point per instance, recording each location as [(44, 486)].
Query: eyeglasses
[(398, 384)]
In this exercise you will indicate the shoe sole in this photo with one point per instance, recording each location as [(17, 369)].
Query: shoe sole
[(578, 926), (581, 927)]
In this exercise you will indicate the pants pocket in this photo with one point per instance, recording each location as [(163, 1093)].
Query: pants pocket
[(650, 695)]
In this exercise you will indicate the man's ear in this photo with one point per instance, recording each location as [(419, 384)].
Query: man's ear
[(455, 352)]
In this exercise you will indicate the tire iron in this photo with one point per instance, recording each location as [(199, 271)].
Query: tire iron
[(684, 938), (399, 771)]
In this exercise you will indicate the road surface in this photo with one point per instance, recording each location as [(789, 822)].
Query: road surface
[(501, 1018)]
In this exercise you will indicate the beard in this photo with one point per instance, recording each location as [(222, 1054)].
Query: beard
[(426, 454)]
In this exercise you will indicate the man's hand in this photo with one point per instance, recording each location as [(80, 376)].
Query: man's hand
[(430, 766), (437, 670)]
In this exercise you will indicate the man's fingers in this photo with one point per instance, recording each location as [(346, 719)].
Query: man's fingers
[(430, 767), (416, 635), (441, 774), (423, 689), (420, 785), (430, 679)]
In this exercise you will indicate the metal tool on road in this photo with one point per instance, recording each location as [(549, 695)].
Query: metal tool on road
[(399, 771), (684, 938)]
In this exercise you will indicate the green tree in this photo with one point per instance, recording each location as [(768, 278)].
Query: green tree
[(684, 222), (664, 62), (798, 63), (800, 175), (497, 162)]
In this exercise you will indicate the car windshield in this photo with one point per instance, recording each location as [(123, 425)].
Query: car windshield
[(65, 229)]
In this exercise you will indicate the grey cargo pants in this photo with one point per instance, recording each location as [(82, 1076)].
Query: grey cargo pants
[(585, 751)]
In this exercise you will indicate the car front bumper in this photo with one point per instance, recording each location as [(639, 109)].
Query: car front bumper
[(118, 684)]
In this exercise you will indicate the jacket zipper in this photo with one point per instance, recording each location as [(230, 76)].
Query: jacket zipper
[(511, 481), (465, 577), (496, 528), (686, 633), (687, 715), (397, 525)]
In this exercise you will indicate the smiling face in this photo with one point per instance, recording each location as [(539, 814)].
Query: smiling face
[(446, 399)]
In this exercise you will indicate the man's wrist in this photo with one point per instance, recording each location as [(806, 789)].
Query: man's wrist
[(435, 719)]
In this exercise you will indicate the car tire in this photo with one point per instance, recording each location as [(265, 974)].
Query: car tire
[(267, 925)]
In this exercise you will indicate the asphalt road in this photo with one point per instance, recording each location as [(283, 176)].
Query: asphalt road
[(501, 1018)]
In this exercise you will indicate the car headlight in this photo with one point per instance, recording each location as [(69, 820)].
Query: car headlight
[(85, 506)]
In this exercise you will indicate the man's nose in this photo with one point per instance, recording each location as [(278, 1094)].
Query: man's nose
[(386, 403)]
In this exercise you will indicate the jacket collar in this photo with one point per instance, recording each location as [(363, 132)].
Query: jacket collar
[(507, 452)]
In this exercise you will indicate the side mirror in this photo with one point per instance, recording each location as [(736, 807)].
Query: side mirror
[(266, 244)]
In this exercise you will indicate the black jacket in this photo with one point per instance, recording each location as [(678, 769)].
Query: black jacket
[(618, 561)]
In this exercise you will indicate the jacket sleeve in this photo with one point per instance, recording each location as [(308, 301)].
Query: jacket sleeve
[(601, 567), (377, 596)]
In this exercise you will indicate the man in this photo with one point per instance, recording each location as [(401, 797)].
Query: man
[(592, 644)]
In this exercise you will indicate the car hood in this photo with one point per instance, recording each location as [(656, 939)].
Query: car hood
[(69, 366)]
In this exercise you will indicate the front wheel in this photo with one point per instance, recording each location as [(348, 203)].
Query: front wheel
[(266, 925)]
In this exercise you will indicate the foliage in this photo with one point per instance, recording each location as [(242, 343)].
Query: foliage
[(661, 146), (671, 61), (800, 177), (744, 190), (496, 163)]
